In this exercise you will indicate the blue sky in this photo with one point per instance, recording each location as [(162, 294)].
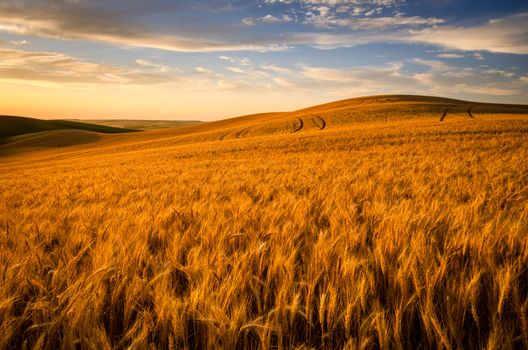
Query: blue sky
[(187, 59)]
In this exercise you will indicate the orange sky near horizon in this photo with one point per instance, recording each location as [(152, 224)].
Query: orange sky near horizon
[(133, 102), (209, 60)]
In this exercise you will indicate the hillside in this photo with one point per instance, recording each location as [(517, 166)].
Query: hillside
[(345, 112), (14, 126), (138, 124), (387, 228), (355, 113)]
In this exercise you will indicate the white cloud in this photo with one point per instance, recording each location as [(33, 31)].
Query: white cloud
[(354, 22), (353, 75), (60, 68), (438, 65), (338, 3), (267, 19), (243, 61), (366, 80), (450, 55), (19, 42), (276, 69), (499, 72), (355, 14), (252, 73), (285, 82), (484, 90), (202, 70), (148, 64), (438, 79), (369, 23), (76, 21), (270, 19), (361, 15), (249, 21), (506, 34), (236, 70)]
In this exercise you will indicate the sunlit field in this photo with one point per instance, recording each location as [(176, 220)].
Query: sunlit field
[(345, 226)]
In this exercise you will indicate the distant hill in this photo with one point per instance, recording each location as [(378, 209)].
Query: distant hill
[(139, 124), (49, 139), (11, 126), (376, 111), (347, 112)]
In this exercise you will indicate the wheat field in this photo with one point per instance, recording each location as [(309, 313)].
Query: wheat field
[(381, 233)]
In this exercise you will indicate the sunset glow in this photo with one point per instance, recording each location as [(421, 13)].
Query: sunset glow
[(213, 59)]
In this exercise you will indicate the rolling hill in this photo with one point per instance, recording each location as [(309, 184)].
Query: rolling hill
[(355, 111), (138, 124), (14, 126), (370, 112), (381, 228)]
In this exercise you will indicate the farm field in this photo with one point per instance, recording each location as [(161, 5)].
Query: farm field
[(141, 124), (385, 222)]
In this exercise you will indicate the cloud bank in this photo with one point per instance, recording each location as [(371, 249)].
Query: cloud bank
[(318, 23)]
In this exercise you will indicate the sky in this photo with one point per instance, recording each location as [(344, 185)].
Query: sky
[(208, 60)]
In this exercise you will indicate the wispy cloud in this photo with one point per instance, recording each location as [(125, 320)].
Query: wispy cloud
[(356, 7), (439, 78), (504, 35), (202, 70), (276, 69), (370, 23), (450, 55), (437, 65), (244, 61), (508, 34), (148, 64), (19, 42), (484, 90), (252, 73), (236, 70), (60, 68), (354, 81), (72, 20), (353, 14), (500, 72), (443, 79), (331, 23)]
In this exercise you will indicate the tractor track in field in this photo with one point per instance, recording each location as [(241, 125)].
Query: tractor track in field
[(444, 115), (242, 133), (319, 122), (469, 112), (299, 125), (447, 110)]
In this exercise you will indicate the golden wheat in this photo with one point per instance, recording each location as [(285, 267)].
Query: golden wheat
[(402, 234)]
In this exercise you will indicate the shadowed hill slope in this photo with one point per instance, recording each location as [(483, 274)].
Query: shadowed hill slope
[(138, 124), (14, 126), (54, 138)]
